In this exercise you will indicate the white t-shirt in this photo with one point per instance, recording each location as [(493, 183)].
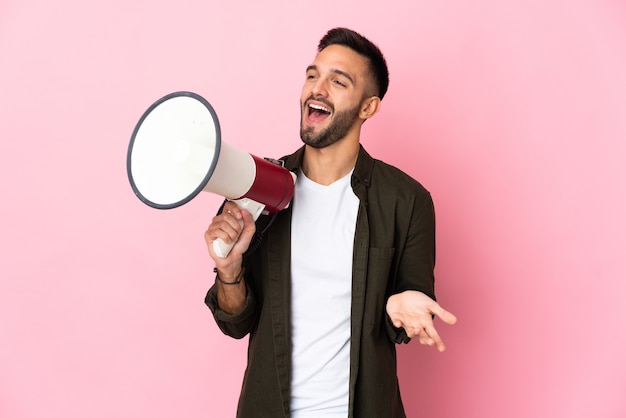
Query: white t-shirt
[(322, 238)]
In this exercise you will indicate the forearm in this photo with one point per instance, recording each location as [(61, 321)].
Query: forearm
[(235, 325), (231, 291)]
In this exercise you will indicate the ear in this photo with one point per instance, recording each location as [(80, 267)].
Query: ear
[(369, 107)]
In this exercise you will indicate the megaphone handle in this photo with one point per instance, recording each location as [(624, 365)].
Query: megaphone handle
[(255, 208)]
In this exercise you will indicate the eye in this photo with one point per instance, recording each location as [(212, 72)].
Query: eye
[(340, 83)]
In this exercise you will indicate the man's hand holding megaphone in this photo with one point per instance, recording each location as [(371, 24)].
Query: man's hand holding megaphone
[(176, 151), (233, 225)]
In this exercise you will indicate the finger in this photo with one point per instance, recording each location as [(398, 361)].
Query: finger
[(395, 321), (435, 338), (227, 230), (417, 331), (224, 227), (211, 238), (231, 208), (424, 338), (247, 232), (446, 316), (234, 218)]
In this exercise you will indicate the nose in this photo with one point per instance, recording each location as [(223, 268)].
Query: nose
[(319, 88)]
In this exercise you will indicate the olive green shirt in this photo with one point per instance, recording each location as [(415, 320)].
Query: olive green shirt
[(394, 251)]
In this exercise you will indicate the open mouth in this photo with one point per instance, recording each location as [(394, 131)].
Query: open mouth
[(317, 112)]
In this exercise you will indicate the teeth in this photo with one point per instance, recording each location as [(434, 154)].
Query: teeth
[(318, 107)]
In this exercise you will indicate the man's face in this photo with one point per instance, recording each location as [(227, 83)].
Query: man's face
[(332, 94)]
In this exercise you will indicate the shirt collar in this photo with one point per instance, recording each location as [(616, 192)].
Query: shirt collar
[(362, 171)]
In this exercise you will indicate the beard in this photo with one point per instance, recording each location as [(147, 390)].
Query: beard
[(338, 128)]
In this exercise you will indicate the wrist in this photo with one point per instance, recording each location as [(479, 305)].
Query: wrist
[(229, 280)]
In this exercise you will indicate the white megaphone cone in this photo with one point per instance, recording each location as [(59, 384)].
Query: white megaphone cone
[(176, 152)]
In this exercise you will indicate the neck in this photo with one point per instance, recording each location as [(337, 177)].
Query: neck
[(327, 165)]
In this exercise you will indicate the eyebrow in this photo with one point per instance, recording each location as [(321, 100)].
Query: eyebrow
[(334, 70)]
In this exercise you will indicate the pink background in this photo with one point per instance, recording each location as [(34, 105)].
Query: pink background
[(512, 113)]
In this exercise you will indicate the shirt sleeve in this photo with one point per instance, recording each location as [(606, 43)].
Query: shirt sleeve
[(417, 263), (236, 326)]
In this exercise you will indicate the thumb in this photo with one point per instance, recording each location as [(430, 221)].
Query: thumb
[(446, 316), (249, 227)]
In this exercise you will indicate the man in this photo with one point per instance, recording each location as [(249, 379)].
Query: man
[(344, 273)]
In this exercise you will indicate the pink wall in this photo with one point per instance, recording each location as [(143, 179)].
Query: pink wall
[(512, 113)]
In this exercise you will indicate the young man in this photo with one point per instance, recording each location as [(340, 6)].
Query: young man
[(344, 273)]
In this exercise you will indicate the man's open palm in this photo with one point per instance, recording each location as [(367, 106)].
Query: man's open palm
[(413, 310)]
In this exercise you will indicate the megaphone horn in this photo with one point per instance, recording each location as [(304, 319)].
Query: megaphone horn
[(176, 151)]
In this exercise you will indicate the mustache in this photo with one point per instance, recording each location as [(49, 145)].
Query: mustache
[(321, 100)]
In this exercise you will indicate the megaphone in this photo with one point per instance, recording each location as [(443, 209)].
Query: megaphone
[(176, 151)]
